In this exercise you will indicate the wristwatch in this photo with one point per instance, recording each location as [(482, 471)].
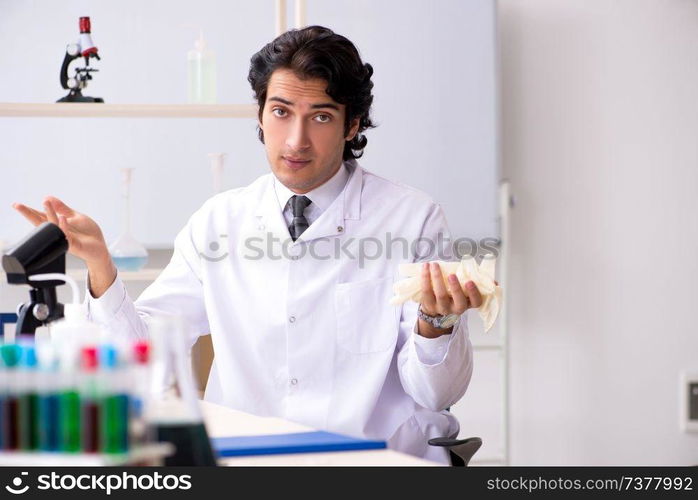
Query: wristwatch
[(441, 322)]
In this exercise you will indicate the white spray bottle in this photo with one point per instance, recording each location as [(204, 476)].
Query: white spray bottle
[(201, 72)]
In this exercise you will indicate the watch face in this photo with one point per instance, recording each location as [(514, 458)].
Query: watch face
[(449, 321)]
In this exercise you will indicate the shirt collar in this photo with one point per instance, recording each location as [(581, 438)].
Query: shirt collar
[(322, 196)]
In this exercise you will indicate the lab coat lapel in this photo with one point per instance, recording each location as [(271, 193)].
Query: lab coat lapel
[(268, 213)]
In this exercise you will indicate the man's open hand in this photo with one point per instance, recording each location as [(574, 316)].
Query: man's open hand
[(84, 236)]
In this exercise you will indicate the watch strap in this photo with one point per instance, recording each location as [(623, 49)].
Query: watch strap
[(440, 321)]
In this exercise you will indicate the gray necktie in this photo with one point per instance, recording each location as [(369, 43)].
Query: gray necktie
[(299, 222)]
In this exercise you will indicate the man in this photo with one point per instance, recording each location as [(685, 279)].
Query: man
[(302, 329)]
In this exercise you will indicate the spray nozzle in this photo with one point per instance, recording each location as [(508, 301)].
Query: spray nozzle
[(200, 43)]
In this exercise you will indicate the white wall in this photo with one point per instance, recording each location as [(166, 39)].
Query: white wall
[(600, 114), (434, 103)]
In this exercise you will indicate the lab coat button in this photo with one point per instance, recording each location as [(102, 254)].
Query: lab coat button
[(294, 381), (340, 228), (292, 319)]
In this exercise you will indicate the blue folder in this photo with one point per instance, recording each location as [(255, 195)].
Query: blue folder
[(299, 442)]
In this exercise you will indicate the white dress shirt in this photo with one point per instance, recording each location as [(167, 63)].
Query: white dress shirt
[(321, 197), (304, 330)]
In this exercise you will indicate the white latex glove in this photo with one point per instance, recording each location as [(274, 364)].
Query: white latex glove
[(466, 270)]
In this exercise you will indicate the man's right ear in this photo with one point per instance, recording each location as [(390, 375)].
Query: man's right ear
[(259, 117)]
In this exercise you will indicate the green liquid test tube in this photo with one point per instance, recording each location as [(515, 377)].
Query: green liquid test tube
[(115, 408), (115, 424), (69, 418)]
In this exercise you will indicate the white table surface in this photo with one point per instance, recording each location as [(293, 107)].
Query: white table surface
[(221, 421)]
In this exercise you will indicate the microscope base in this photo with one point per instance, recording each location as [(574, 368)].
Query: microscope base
[(76, 96)]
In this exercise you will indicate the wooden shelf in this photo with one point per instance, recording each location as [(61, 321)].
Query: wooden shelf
[(101, 110)]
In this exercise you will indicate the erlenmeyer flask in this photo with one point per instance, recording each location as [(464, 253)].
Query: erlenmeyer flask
[(172, 413), (126, 252)]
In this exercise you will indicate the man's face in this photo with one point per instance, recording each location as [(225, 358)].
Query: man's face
[(303, 131)]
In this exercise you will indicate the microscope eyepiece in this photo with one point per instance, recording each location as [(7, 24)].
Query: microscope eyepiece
[(42, 251)]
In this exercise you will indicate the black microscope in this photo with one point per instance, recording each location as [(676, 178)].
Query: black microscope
[(84, 48), (42, 251)]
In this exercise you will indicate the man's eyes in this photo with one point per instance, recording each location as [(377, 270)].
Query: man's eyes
[(321, 118)]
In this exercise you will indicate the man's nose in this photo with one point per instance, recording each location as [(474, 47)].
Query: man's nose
[(298, 139)]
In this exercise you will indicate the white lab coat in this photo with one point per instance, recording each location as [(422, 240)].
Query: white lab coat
[(308, 338)]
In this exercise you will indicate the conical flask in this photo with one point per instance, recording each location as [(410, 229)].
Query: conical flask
[(172, 412), (126, 252)]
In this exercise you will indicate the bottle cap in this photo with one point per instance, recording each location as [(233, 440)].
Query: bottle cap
[(141, 351), (89, 358), (10, 354), (85, 26), (29, 359), (108, 356)]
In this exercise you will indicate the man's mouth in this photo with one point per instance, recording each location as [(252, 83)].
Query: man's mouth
[(295, 163)]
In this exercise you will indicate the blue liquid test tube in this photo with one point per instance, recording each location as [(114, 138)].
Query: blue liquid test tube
[(49, 436), (29, 400)]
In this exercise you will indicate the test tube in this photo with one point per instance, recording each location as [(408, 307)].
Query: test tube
[(3, 393), (115, 412), (10, 354), (29, 400), (141, 372), (90, 400), (48, 394)]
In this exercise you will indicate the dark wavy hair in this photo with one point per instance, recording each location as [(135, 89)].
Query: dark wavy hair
[(318, 52)]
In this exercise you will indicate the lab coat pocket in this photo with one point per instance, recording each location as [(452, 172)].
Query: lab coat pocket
[(366, 322)]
